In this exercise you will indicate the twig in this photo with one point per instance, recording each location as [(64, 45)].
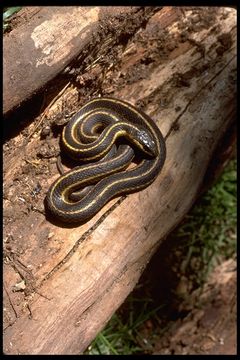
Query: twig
[(9, 298), (47, 108)]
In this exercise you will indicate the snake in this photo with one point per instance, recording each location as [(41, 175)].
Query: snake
[(120, 150)]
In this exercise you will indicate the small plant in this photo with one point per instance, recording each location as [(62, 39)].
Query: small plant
[(123, 337), (206, 237), (209, 230), (7, 13)]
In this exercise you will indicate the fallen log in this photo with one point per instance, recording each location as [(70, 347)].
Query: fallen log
[(48, 38), (62, 285)]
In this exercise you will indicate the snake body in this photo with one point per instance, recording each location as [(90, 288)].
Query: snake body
[(89, 136)]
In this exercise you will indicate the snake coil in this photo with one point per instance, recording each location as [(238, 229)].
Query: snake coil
[(90, 136)]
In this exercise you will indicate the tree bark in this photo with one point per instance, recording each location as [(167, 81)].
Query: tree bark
[(180, 68), (48, 38)]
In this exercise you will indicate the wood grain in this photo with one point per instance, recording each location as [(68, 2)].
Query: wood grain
[(47, 42), (83, 274)]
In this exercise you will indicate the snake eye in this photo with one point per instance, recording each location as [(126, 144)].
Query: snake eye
[(147, 143)]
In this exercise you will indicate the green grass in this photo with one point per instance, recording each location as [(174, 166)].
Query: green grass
[(8, 12), (209, 230), (123, 337), (206, 237)]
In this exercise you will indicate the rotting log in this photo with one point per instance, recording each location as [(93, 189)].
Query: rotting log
[(73, 279), (48, 39)]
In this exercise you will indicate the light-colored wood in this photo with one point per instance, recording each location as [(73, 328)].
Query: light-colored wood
[(49, 39), (83, 274)]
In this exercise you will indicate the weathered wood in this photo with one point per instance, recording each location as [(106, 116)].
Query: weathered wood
[(47, 42), (79, 276)]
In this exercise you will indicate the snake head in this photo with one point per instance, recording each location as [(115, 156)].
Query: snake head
[(146, 142)]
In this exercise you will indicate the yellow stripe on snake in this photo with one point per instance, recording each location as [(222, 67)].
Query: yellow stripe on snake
[(108, 134)]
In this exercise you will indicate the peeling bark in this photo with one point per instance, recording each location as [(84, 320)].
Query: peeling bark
[(180, 68)]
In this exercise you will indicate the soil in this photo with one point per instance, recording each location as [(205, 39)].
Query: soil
[(37, 127), (191, 319)]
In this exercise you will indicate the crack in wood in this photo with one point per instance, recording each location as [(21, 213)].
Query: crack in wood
[(16, 264), (102, 218), (12, 306), (81, 239), (175, 122), (64, 260), (107, 37)]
